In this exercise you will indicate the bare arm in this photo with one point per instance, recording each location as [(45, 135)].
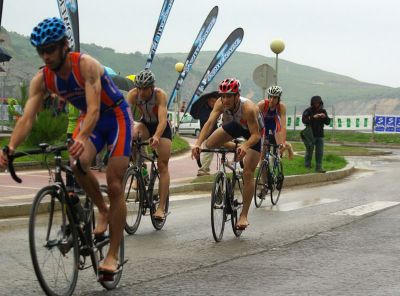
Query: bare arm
[(281, 135), (91, 72), (212, 120), (32, 107), (261, 106), (131, 97), (162, 113)]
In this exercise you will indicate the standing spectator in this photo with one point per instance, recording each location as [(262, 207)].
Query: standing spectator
[(13, 114), (204, 114), (316, 117)]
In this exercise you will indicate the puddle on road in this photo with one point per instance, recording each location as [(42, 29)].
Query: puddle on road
[(310, 202)]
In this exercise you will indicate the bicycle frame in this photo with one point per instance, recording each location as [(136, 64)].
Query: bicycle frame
[(141, 158), (57, 181)]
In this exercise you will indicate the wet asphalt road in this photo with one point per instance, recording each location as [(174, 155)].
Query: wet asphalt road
[(298, 248)]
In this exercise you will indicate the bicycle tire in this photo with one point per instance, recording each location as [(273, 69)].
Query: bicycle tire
[(59, 242), (237, 203), (277, 171), (154, 202), (260, 188), (218, 207), (101, 245), (133, 199)]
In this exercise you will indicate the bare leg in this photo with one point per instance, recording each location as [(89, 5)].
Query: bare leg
[(250, 163), (164, 153), (117, 215), (91, 185), (218, 138)]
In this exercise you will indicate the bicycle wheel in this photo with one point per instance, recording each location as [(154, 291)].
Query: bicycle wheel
[(53, 242), (237, 203), (101, 246), (218, 208), (277, 180), (133, 199), (154, 202), (260, 188)]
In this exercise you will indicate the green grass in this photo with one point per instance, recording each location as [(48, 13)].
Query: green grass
[(351, 137), (296, 166), (336, 149), (179, 145)]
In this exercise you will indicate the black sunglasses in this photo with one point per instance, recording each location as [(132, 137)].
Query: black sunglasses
[(48, 49)]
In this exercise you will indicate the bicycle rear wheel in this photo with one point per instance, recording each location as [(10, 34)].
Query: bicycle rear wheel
[(237, 203), (134, 201), (277, 182), (101, 246), (53, 242), (155, 201), (218, 207), (260, 188)]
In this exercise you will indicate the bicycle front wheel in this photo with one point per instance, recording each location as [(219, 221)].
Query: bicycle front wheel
[(155, 202), (53, 242), (260, 188), (218, 208), (134, 201), (237, 203), (277, 180)]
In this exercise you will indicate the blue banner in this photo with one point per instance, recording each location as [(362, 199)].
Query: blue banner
[(387, 123), (397, 124)]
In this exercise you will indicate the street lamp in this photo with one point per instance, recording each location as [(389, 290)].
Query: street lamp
[(178, 68), (277, 46)]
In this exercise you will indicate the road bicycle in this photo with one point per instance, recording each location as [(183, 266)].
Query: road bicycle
[(227, 192), (269, 180), (140, 194), (61, 235)]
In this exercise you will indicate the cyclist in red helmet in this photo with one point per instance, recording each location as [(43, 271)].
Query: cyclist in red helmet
[(240, 118)]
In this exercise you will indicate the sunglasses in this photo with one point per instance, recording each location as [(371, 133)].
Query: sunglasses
[(48, 49)]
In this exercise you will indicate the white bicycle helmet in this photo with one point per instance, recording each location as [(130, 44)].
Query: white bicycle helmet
[(145, 78), (275, 91)]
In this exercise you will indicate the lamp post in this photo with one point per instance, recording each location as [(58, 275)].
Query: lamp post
[(277, 46), (178, 68)]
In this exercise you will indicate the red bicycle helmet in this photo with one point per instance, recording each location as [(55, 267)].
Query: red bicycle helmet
[(229, 86)]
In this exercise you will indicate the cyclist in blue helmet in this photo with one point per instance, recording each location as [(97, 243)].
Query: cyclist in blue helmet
[(49, 35), (105, 119)]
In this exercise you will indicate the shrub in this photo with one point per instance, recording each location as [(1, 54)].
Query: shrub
[(48, 129)]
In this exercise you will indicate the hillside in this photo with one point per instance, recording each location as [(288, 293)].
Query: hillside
[(299, 82)]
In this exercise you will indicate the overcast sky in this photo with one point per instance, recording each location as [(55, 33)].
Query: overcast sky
[(356, 38)]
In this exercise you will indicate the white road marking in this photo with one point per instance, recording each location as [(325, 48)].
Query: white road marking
[(296, 205), (367, 208), (19, 187), (189, 196)]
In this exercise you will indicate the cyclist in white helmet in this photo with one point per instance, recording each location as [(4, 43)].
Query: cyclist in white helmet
[(152, 104), (274, 115)]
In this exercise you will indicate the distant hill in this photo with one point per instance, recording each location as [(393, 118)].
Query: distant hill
[(298, 81)]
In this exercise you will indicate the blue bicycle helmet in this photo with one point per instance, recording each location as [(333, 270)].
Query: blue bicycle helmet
[(48, 31)]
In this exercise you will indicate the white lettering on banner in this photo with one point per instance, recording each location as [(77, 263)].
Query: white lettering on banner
[(225, 56), (157, 38), (200, 44), (67, 22)]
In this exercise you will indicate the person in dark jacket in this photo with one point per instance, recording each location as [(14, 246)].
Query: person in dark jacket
[(204, 113), (316, 117)]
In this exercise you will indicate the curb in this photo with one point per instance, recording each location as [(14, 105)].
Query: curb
[(289, 181), (8, 211)]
